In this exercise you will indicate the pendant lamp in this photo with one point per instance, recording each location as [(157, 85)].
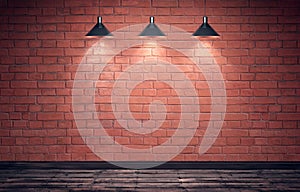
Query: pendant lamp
[(99, 29), (205, 30), (152, 29)]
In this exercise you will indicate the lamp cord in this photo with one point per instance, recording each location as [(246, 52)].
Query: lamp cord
[(99, 9), (204, 7)]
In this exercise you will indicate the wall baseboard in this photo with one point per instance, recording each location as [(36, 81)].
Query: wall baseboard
[(168, 165)]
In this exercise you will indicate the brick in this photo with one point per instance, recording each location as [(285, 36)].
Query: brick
[(236, 116), (288, 116), (77, 44), (235, 149), (288, 68), (233, 140), (275, 28), (288, 84), (113, 3), (79, 3), (288, 100), (263, 68), (263, 19), (247, 76), (260, 52), (240, 3), (22, 100), (79, 19), (3, 52), (50, 52), (4, 84), (173, 19), (54, 3), (135, 3), (23, 84), (133, 19), (262, 36), (268, 76), (23, 19), (50, 116), (186, 3), (263, 85), (51, 84), (164, 3), (288, 36), (263, 100), (19, 52), (51, 35), (273, 149), (74, 52), (50, 99), (288, 52), (233, 19), (50, 68), (234, 68), (234, 52), (237, 85)]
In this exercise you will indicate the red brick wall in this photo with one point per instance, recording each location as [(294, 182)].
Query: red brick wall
[(42, 44)]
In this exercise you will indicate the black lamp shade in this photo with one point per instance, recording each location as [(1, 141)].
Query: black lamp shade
[(205, 29), (99, 29), (152, 29)]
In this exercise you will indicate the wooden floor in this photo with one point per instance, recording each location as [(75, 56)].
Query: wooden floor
[(31, 178)]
